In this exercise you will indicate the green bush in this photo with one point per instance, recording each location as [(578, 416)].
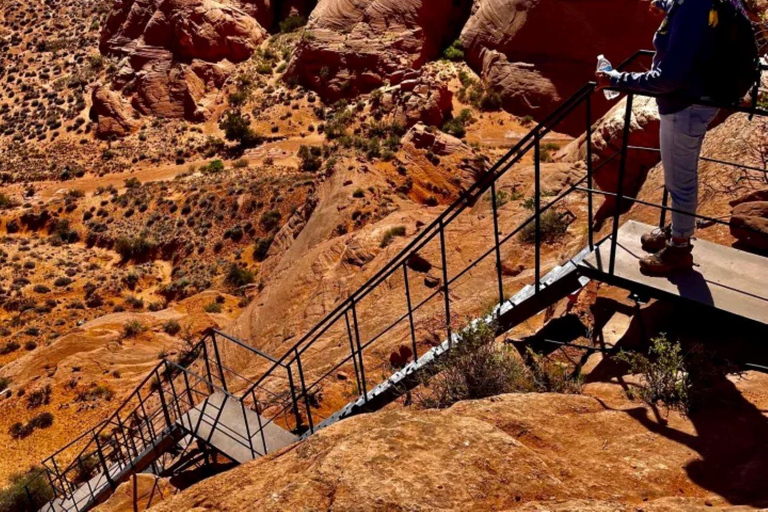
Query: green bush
[(238, 129), (665, 376), (553, 226), (133, 328), (261, 247), (476, 367), (42, 420), (213, 307), (15, 497), (311, 158), (19, 430), (390, 235), (172, 327), (270, 220), (212, 167), (455, 52), (38, 397), (135, 247), (292, 22), (238, 276)]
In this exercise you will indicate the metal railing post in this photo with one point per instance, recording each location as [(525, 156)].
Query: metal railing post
[(590, 200), (248, 430), (163, 404), (218, 363), (537, 210), (446, 290), (410, 312), (304, 391), (497, 244), (208, 367), (294, 398), (261, 426), (359, 350), (352, 349), (620, 189), (169, 369), (103, 462)]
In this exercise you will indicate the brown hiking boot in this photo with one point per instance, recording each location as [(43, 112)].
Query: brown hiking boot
[(671, 259), (656, 240)]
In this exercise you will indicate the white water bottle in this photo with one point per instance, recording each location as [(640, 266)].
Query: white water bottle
[(604, 65)]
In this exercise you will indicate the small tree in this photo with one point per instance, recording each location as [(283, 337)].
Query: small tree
[(238, 129)]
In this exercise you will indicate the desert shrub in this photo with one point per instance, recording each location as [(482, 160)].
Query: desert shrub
[(457, 125), (476, 367), (15, 497), (100, 392), (133, 328), (665, 376), (212, 307), (6, 202), (10, 346), (238, 129), (261, 247), (491, 101), (311, 158), (42, 420), (391, 234), (41, 288), (270, 220), (358, 193), (239, 98), (38, 397), (292, 22), (19, 430), (62, 281), (240, 164), (4, 383), (132, 183), (554, 225), (212, 167), (238, 276), (85, 468), (30, 345), (135, 247), (549, 376), (172, 327), (455, 52), (547, 149)]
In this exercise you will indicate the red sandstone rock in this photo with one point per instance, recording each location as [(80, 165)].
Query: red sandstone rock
[(353, 47), (115, 116)]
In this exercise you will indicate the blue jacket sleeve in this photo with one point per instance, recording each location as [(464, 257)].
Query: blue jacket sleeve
[(687, 34)]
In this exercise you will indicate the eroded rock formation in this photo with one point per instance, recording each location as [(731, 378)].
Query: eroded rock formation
[(175, 55), (537, 52), (352, 47)]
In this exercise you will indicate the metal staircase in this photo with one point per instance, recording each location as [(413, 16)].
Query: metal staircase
[(190, 402)]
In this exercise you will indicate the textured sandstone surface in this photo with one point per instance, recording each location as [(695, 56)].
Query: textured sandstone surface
[(354, 46), (512, 452)]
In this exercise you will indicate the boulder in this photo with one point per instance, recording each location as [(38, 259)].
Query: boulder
[(749, 223), (113, 114), (353, 46), (438, 142), (419, 98), (607, 137), (177, 54), (510, 44)]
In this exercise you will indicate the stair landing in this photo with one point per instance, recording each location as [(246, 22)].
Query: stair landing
[(723, 278), (223, 423)]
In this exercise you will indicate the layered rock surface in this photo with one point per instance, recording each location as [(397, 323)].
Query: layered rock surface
[(354, 46), (175, 55), (503, 453), (537, 52)]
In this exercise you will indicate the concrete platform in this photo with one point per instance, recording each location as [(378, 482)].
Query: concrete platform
[(221, 422), (723, 278)]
